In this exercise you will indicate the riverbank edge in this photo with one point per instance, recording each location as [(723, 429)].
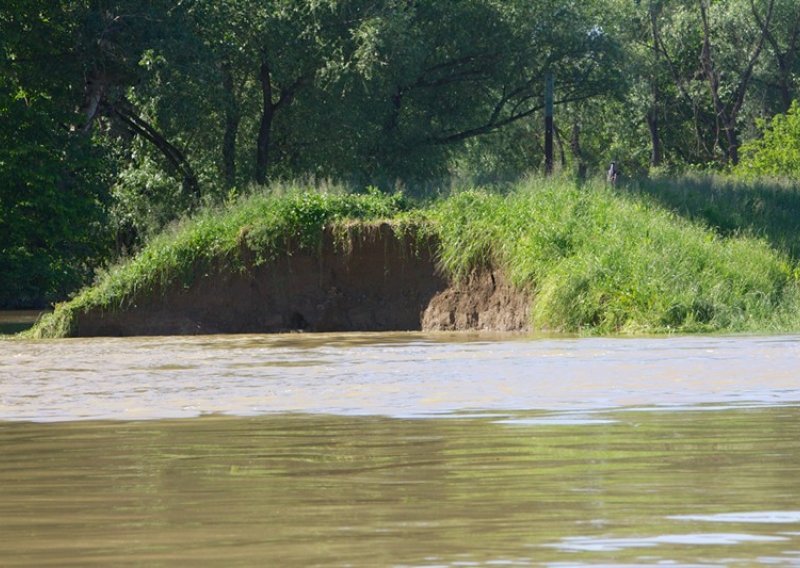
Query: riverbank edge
[(363, 276), (599, 261)]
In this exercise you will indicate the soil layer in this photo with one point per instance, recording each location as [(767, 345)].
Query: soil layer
[(378, 282), (484, 301)]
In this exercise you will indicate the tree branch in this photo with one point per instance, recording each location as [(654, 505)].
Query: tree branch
[(173, 155), (741, 89)]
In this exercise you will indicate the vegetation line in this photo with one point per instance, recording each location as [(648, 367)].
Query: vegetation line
[(599, 260)]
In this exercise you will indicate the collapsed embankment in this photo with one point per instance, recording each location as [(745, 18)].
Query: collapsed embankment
[(599, 261), (374, 280)]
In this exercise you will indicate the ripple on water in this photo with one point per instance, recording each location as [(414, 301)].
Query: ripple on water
[(402, 375), (593, 544), (766, 517)]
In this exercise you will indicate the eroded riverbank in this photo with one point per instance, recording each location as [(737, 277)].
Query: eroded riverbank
[(552, 258), (378, 281)]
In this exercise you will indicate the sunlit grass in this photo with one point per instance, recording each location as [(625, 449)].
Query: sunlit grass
[(602, 261), (598, 260)]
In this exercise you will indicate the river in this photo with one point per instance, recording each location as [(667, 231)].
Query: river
[(401, 449)]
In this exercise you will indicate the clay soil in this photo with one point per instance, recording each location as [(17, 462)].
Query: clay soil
[(379, 282)]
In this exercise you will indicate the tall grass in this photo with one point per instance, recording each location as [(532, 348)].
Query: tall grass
[(768, 208), (254, 229), (598, 260)]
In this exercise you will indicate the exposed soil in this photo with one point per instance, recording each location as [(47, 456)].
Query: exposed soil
[(380, 283), (485, 301)]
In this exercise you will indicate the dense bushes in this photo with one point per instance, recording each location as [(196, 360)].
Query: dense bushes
[(777, 152)]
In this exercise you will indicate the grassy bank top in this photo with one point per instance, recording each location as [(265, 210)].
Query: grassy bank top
[(597, 260)]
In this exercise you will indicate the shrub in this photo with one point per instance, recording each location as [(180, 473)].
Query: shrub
[(777, 152)]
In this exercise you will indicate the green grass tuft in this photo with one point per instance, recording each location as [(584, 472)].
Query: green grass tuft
[(762, 207), (602, 261)]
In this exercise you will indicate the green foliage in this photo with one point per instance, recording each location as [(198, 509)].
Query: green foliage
[(777, 152), (144, 200), (52, 194), (112, 111)]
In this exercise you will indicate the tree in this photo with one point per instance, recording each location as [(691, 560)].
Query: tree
[(746, 40), (432, 75), (783, 42), (116, 37), (52, 177), (777, 152)]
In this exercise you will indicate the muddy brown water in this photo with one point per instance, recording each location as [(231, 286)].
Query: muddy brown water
[(402, 449)]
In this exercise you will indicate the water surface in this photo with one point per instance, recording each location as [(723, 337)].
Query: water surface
[(400, 450), (398, 375)]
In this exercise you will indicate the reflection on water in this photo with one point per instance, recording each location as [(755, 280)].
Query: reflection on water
[(774, 517), (588, 544), (645, 488), (400, 450)]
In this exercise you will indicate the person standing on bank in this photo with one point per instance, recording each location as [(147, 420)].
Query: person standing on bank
[(613, 174)]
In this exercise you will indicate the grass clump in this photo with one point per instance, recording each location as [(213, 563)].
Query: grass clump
[(601, 261), (762, 207), (254, 229)]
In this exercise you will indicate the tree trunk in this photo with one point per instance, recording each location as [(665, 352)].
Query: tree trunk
[(732, 138), (95, 91), (652, 113), (655, 137), (562, 155), (393, 119), (173, 155), (785, 88), (786, 62), (265, 129), (575, 143), (232, 119)]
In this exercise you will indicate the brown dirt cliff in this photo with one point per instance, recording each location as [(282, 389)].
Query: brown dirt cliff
[(377, 281)]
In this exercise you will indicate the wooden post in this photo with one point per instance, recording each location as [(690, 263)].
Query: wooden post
[(548, 124)]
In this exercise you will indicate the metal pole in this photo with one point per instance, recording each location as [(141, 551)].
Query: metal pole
[(548, 124)]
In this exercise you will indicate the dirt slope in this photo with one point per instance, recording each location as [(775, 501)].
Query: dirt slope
[(381, 283)]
